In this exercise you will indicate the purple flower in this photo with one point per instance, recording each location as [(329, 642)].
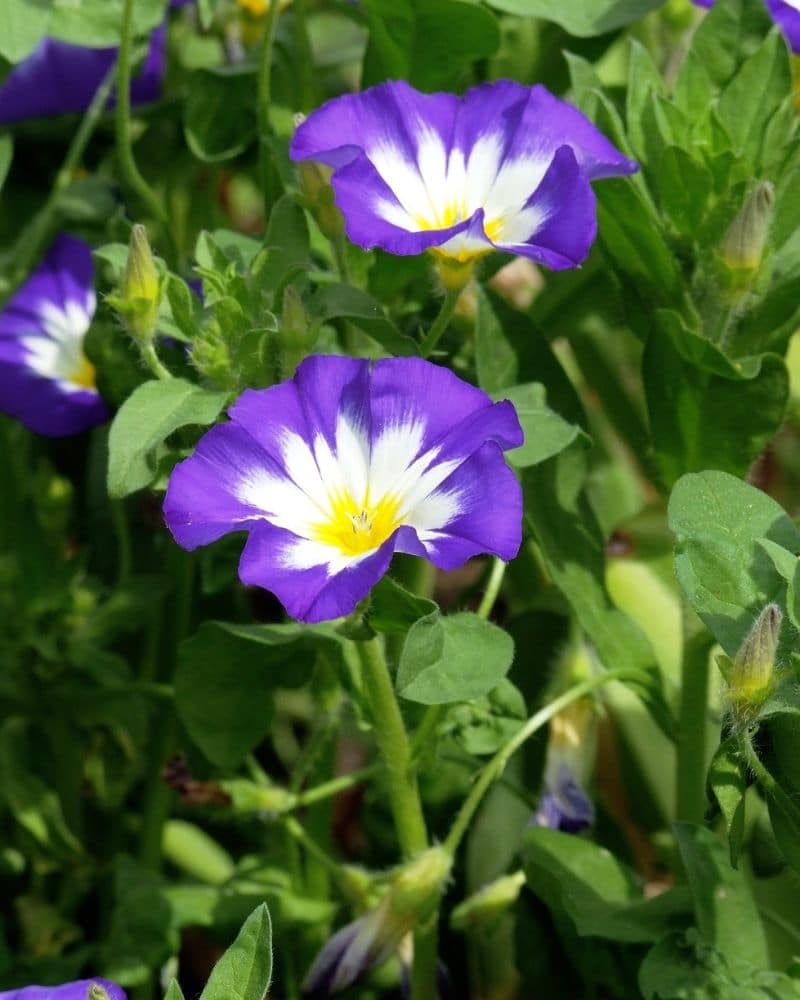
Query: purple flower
[(345, 464), (60, 78), (46, 381), (564, 804), (506, 167), (785, 13), (83, 989)]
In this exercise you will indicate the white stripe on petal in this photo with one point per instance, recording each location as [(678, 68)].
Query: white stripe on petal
[(435, 512), (57, 352), (403, 177), (515, 183)]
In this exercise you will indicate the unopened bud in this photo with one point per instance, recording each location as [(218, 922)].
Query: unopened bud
[(489, 903), (297, 334), (417, 888), (315, 185), (751, 675), (742, 248), (140, 289)]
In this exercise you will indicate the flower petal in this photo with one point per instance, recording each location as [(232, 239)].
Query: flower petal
[(787, 17), (78, 990)]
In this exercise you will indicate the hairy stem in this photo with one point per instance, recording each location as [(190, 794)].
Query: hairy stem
[(440, 324)]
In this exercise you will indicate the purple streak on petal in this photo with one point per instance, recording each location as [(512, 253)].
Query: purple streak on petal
[(200, 505), (566, 200), (565, 806), (61, 78), (788, 20), (314, 594), (68, 991), (490, 519), (703, 3)]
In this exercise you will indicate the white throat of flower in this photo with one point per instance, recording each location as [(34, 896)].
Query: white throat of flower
[(343, 503), (57, 352)]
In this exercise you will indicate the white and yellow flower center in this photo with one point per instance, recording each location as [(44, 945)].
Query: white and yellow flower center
[(57, 352), (355, 528)]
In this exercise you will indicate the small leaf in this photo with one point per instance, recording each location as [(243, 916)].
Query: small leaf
[(393, 609), (147, 417), (342, 301), (174, 992), (245, 970), (727, 780), (546, 433), (452, 658), (580, 17), (219, 117)]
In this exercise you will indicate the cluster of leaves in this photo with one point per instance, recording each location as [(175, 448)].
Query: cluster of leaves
[(633, 377)]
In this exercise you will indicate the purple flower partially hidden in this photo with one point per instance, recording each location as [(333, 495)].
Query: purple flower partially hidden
[(80, 990), (504, 167), (785, 13), (59, 78), (564, 804), (345, 464), (46, 381)]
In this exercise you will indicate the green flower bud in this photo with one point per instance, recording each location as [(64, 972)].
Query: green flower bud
[(751, 675), (742, 247), (249, 797), (489, 903), (315, 186), (140, 289), (417, 888)]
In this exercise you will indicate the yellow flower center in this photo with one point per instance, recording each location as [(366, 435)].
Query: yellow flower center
[(84, 374), (355, 528), (452, 214)]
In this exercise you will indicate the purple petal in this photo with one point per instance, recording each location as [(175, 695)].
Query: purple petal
[(500, 167), (703, 3), (61, 78), (787, 18), (68, 991), (45, 381), (565, 805), (314, 593)]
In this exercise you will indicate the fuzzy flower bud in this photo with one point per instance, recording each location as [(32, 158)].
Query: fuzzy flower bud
[(315, 185), (742, 247), (751, 675), (488, 903), (140, 289)]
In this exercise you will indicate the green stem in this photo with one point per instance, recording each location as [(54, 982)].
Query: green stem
[(298, 834), (32, 239), (770, 786), (493, 586), (264, 91), (439, 325), (392, 740), (127, 164), (690, 790), (122, 531), (327, 789), (390, 735), (154, 363), (494, 769)]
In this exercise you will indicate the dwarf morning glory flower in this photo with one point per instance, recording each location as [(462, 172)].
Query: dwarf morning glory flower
[(348, 462), (60, 78), (785, 13), (564, 804), (505, 166), (46, 381), (83, 989)]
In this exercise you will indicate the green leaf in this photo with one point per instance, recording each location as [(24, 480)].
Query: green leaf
[(727, 780), (725, 574), (705, 411), (6, 156), (219, 119), (644, 79), (754, 94), (427, 42), (483, 725), (496, 360), (225, 678), (145, 420), (393, 609), (546, 433), (594, 890), (452, 658), (174, 992), (33, 805), (683, 186), (726, 913), (245, 970), (344, 302), (580, 17), (287, 246)]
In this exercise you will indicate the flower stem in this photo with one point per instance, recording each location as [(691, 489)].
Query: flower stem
[(32, 238), (327, 789), (439, 325), (392, 740), (690, 793), (127, 164), (493, 586), (264, 91), (497, 764), (154, 363), (122, 531)]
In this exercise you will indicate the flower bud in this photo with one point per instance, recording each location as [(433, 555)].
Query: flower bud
[(751, 675), (417, 888), (489, 903), (742, 247), (297, 334), (140, 290), (315, 186)]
